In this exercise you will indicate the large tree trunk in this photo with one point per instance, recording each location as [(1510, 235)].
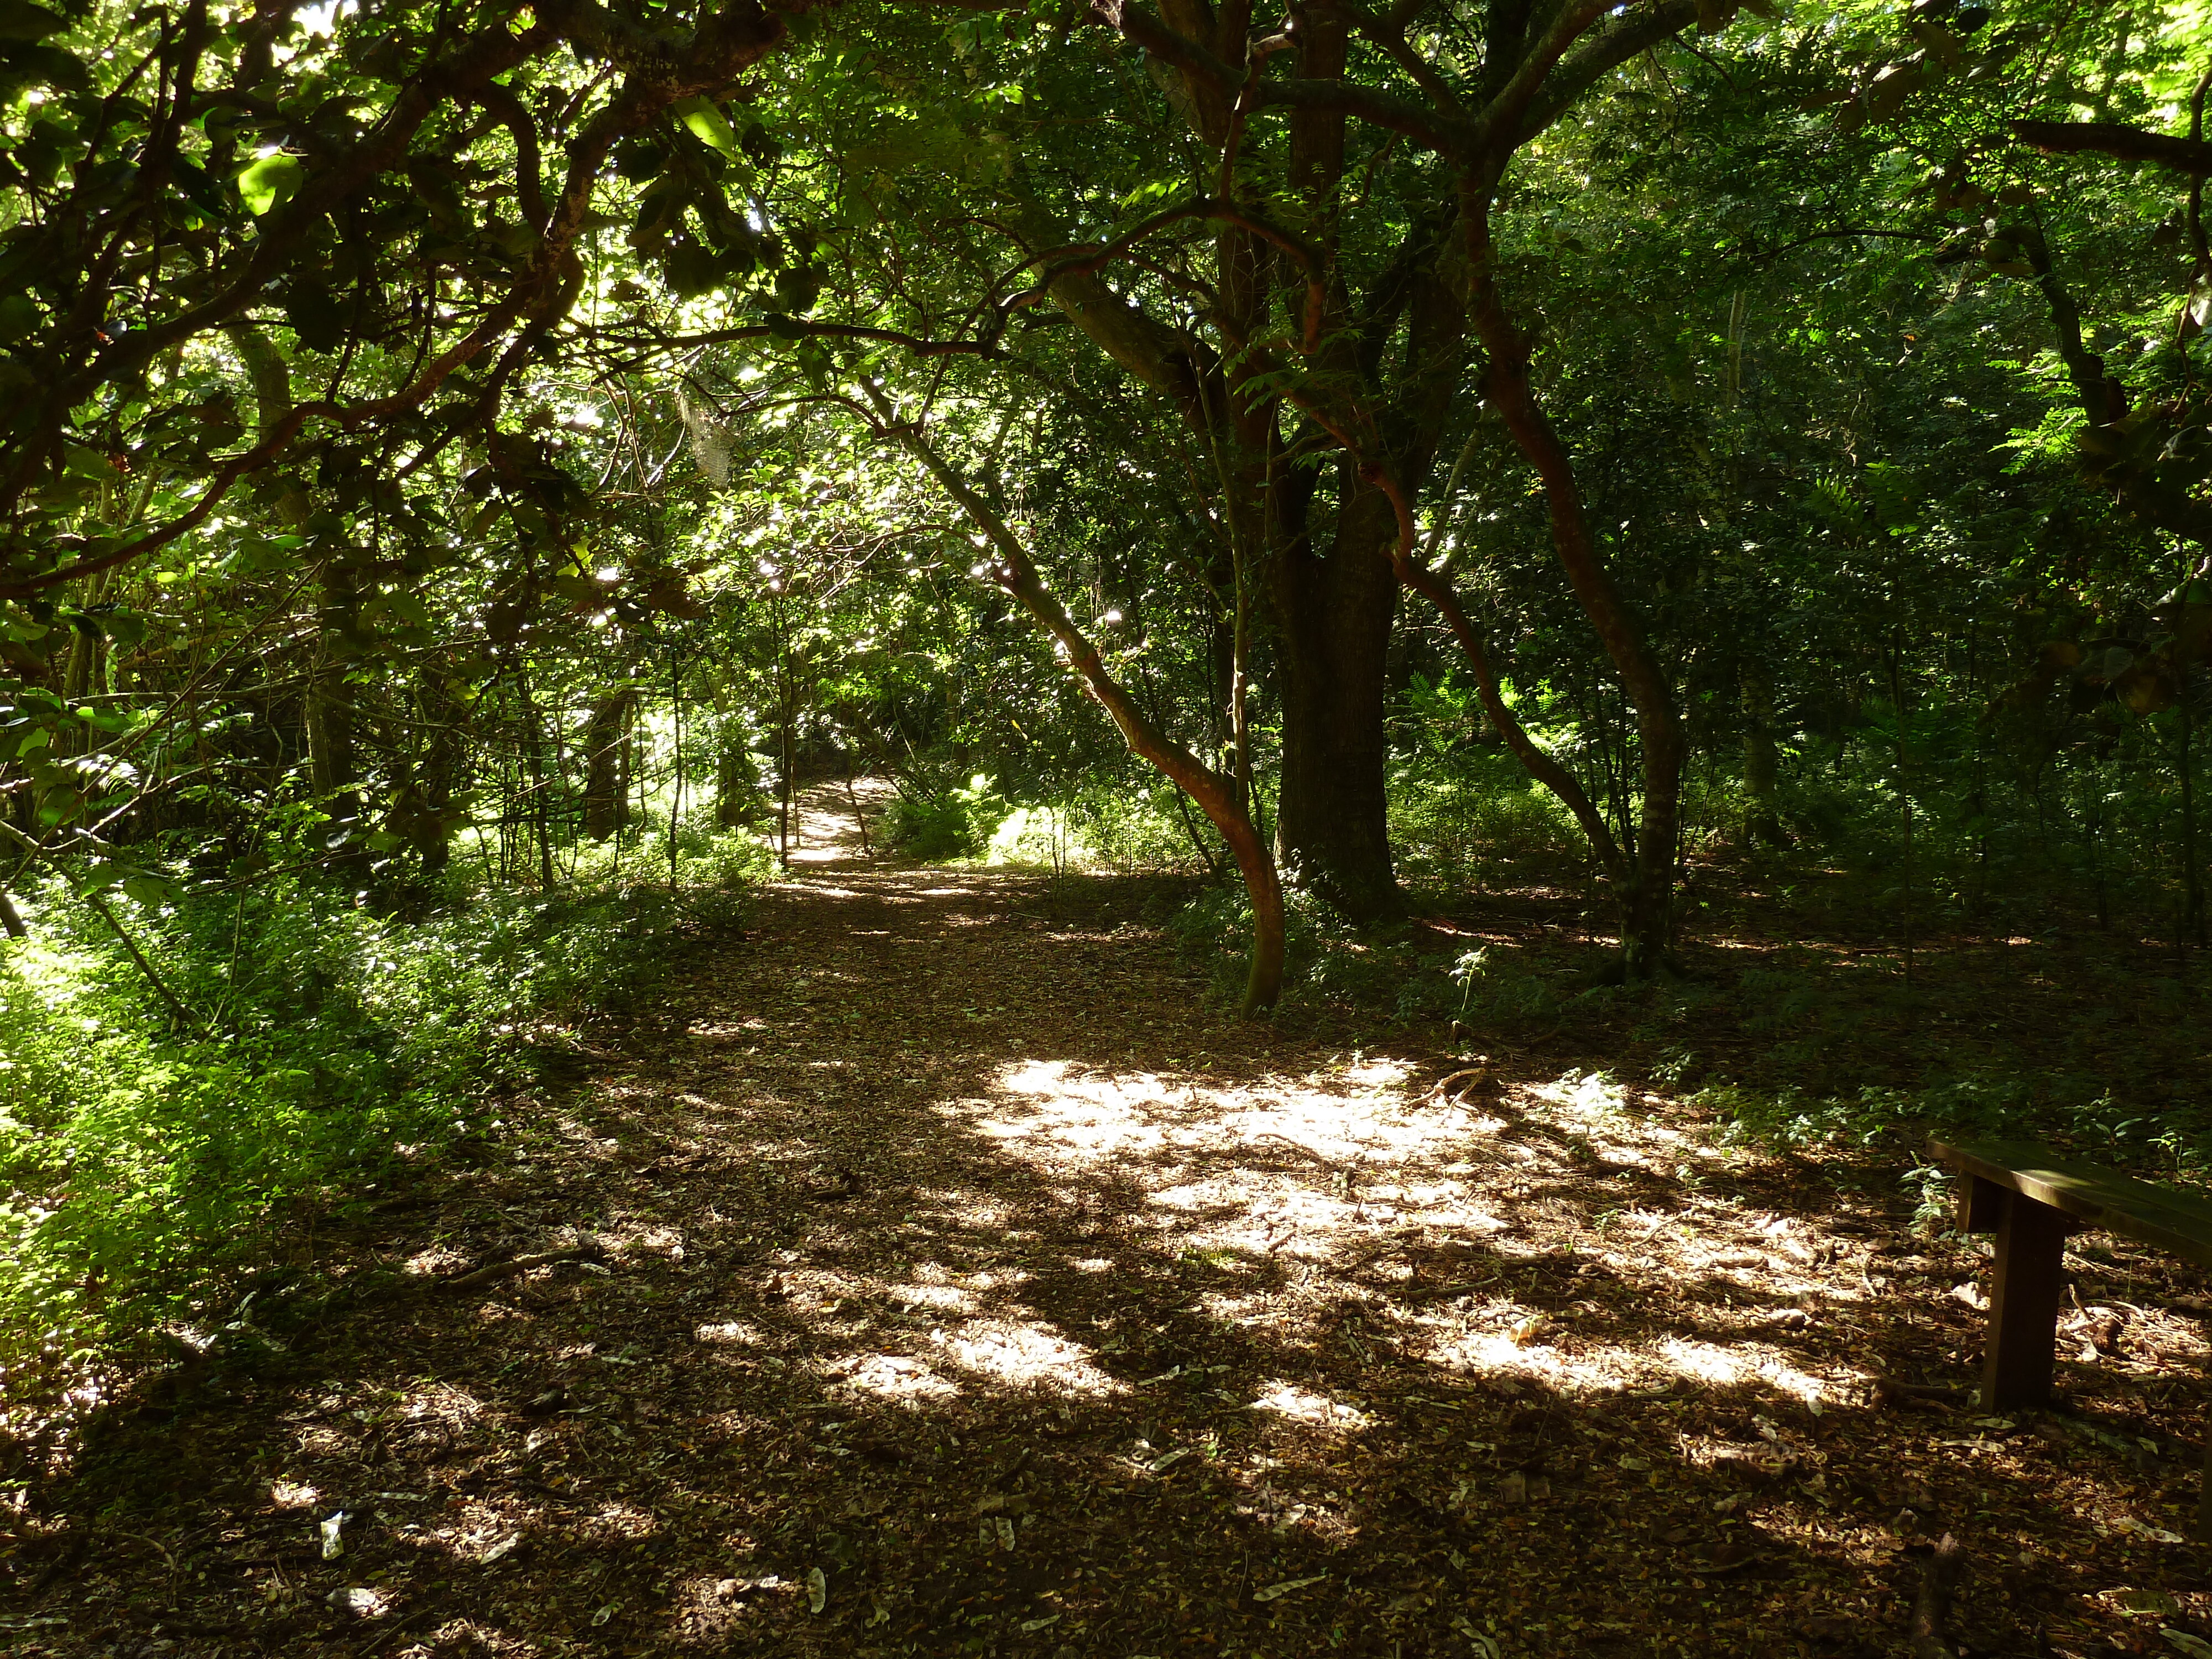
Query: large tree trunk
[(605, 801), (1334, 606), (1334, 615)]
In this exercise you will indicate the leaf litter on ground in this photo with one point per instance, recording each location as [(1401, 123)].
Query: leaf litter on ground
[(1230, 1338)]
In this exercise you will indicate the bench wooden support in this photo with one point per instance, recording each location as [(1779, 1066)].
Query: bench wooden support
[(2031, 1199), (2022, 1349)]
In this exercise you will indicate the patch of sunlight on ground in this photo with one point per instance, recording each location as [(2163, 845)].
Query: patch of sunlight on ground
[(1304, 1405), (1377, 1074), (943, 1298), (1284, 1188), (1705, 1362), (1098, 1116), (619, 1522), (733, 1333), (894, 1378), (1023, 1355)]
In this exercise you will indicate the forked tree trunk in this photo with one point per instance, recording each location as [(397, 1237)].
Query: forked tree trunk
[(1333, 613), (1648, 892)]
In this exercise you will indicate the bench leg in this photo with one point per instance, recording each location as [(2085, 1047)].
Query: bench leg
[(2023, 1334)]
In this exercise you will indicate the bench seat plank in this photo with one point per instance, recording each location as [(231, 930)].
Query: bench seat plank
[(2099, 1198)]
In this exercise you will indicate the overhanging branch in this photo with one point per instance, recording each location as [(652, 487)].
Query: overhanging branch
[(2190, 155)]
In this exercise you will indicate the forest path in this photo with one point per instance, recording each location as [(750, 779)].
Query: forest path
[(961, 1282), (840, 823)]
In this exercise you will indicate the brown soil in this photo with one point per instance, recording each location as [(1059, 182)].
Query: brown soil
[(945, 1276)]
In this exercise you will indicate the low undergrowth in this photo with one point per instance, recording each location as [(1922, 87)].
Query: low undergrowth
[(1799, 1036), (297, 1051)]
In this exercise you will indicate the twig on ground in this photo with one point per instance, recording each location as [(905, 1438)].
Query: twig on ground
[(1938, 1585), (418, 1616), (1321, 1159), (521, 1264), (1940, 1395), (1458, 1085)]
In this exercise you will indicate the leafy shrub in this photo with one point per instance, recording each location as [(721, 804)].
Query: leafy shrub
[(340, 1047), (1139, 824), (1462, 826), (957, 823)]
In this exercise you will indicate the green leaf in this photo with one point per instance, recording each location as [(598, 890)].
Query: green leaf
[(148, 889), (797, 288), (200, 190), (41, 66), (709, 125), (1154, 194), (317, 317), (20, 20), (87, 463), (101, 877), (19, 317), (270, 182), (692, 269)]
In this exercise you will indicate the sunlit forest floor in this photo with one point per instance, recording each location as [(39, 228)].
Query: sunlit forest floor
[(942, 1274)]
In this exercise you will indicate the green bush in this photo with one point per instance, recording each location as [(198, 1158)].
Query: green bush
[(1464, 826), (956, 823), (138, 1161), (1139, 824)]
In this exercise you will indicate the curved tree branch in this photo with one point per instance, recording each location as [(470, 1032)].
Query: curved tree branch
[(2190, 155)]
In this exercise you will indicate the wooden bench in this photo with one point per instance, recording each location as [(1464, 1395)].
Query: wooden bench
[(2031, 1199)]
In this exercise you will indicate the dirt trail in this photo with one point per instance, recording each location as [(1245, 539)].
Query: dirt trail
[(953, 1280)]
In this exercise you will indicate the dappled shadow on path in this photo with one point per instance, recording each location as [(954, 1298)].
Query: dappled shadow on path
[(967, 1287)]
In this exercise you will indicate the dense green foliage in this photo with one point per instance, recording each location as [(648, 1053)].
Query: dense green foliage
[(297, 1056)]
